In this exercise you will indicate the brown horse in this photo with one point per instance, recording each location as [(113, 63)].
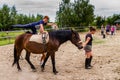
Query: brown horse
[(56, 38)]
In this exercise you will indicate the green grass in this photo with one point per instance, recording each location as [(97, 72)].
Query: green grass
[(98, 41), (5, 41), (4, 34)]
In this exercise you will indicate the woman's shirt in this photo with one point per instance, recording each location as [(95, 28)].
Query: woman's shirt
[(91, 38)]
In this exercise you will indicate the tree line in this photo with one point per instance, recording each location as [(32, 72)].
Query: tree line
[(79, 13), (9, 16)]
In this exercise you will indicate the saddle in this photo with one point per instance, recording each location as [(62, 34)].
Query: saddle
[(42, 38)]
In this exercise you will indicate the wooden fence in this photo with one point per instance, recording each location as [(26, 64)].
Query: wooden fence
[(9, 37)]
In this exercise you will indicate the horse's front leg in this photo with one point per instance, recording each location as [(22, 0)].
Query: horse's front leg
[(53, 63), (45, 60)]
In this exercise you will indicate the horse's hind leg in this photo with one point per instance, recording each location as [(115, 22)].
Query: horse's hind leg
[(17, 53), (28, 60), (18, 58)]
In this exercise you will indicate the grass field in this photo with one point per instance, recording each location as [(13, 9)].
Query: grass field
[(98, 41), (8, 37)]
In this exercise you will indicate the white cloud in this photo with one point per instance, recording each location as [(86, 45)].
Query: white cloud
[(44, 7), (106, 7), (8, 2), (105, 3), (49, 7)]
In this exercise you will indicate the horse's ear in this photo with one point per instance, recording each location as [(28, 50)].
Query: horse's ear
[(72, 30), (73, 33)]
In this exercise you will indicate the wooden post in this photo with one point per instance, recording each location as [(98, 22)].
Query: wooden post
[(7, 32)]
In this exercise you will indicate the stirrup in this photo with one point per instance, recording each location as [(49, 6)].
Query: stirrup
[(44, 37)]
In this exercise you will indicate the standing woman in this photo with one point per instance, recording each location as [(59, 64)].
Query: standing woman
[(88, 48)]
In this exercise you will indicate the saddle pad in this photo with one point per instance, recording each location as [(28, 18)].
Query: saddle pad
[(38, 38)]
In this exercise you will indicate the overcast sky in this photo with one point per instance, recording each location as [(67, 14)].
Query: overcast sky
[(49, 7)]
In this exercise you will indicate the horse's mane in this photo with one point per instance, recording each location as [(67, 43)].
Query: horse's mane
[(61, 35), (59, 32)]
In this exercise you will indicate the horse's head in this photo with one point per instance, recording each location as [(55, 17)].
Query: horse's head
[(75, 39)]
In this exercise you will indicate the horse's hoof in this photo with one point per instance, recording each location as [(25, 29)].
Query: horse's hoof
[(55, 72), (19, 70), (34, 70), (42, 69)]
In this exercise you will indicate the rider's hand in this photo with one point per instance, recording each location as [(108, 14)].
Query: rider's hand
[(44, 32)]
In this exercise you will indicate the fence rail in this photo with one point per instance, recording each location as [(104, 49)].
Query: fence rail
[(6, 34), (9, 37)]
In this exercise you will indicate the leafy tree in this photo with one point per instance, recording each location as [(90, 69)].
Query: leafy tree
[(9, 16), (84, 12), (64, 14), (5, 17), (39, 17), (111, 19), (1, 19), (75, 14), (99, 21), (13, 14)]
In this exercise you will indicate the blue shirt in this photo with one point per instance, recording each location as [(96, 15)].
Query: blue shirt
[(38, 23)]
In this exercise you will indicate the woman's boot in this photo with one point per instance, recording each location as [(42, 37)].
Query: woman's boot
[(90, 61), (87, 63)]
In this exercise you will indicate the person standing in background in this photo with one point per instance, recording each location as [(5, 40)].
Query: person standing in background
[(115, 28), (108, 29), (112, 30), (102, 29)]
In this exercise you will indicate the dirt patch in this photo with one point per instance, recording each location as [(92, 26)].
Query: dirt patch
[(69, 62)]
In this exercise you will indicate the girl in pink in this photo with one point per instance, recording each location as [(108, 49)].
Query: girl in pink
[(112, 30)]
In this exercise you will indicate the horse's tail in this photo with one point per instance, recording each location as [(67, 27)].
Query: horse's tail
[(15, 55)]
